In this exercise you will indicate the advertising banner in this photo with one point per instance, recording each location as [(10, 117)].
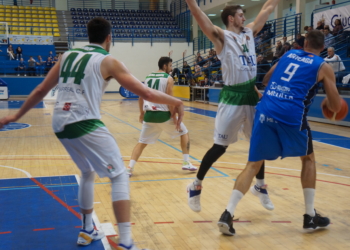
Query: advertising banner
[(328, 17), (31, 40)]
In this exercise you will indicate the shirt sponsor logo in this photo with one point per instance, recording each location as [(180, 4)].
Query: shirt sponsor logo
[(110, 168), (66, 106), (300, 59), (223, 136), (279, 91)]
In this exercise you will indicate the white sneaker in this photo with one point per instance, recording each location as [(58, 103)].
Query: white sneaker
[(261, 192), (186, 165), (194, 196), (131, 247), (85, 238), (129, 171)]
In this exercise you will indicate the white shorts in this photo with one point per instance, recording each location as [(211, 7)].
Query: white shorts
[(97, 151), (151, 131), (230, 120)]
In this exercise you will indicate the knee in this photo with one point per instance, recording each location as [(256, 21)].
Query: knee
[(120, 187), (219, 148), (308, 158)]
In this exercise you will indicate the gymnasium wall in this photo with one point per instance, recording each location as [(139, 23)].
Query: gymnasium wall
[(142, 58)]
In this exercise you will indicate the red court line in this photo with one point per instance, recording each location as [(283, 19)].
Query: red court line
[(75, 206), (285, 188), (43, 229), (111, 242), (77, 226), (281, 222), (241, 221), (204, 221), (131, 224), (56, 198), (8, 232), (166, 222)]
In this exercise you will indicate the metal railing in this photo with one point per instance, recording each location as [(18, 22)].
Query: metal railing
[(137, 5), (37, 3)]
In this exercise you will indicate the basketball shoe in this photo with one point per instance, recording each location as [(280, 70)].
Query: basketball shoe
[(261, 192), (131, 247), (194, 196), (129, 171), (315, 222), (186, 165), (225, 224), (85, 238)]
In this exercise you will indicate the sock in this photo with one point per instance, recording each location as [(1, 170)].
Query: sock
[(309, 196), (186, 157), (132, 163), (236, 196), (87, 224), (125, 233), (260, 183), (197, 182)]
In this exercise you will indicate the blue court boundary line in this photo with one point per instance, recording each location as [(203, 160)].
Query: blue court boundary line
[(222, 173)]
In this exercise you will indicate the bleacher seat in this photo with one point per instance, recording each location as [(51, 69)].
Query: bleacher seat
[(79, 10)]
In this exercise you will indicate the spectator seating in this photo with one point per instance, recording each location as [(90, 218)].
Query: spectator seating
[(26, 20)]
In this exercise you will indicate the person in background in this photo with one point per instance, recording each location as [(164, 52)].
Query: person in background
[(216, 63), (197, 73), (31, 66), (336, 63), (186, 72), (39, 65), (262, 68), (338, 28), (295, 45), (328, 39), (286, 48), (51, 55), (199, 58), (320, 25), (55, 60), (21, 67), (19, 52), (10, 52), (278, 51), (48, 65), (310, 28), (300, 40), (284, 39)]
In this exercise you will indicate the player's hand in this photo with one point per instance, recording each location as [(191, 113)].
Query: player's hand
[(260, 95), (141, 117), (179, 110), (6, 120)]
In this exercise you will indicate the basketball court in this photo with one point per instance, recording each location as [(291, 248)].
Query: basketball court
[(39, 185)]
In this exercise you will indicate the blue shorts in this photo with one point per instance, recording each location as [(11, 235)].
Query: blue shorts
[(271, 139)]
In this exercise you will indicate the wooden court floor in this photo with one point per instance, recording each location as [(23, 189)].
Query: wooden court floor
[(162, 220)]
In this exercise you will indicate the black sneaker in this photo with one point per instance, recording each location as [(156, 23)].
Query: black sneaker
[(225, 224), (312, 223)]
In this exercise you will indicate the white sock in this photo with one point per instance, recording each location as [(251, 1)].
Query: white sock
[(260, 182), (132, 163), (186, 157), (236, 196), (87, 224), (125, 233), (309, 196), (197, 182)]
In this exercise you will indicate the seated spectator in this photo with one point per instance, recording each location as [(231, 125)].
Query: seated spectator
[(216, 63), (199, 58), (200, 62), (286, 48), (206, 66), (295, 45), (40, 65), (10, 52), (278, 52), (55, 60), (300, 40), (284, 39), (51, 55), (187, 72), (207, 83), (262, 68), (305, 29), (328, 39), (336, 63), (48, 65), (21, 67), (197, 73), (19, 52), (338, 28), (320, 25), (31, 66), (310, 28), (215, 78)]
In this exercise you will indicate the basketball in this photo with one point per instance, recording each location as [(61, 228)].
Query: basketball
[(335, 116)]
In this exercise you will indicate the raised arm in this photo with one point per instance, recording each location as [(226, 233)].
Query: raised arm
[(262, 17), (268, 75), (214, 33)]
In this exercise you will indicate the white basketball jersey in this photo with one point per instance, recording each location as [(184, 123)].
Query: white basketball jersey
[(158, 81), (80, 87), (238, 59)]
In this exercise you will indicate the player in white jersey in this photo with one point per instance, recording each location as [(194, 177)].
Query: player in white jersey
[(82, 75), (156, 118), (236, 49)]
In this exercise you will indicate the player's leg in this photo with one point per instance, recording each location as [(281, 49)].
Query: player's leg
[(260, 188), (228, 122), (87, 233), (149, 135), (169, 128)]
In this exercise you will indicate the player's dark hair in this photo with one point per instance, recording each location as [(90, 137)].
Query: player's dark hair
[(315, 39), (229, 11), (98, 29), (164, 61)]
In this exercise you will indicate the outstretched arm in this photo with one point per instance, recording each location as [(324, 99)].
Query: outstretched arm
[(268, 75), (214, 33), (262, 17)]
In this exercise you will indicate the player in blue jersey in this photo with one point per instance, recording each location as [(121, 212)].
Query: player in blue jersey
[(281, 128)]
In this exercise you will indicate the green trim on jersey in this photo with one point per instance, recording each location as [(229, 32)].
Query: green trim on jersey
[(96, 49), (78, 129), (157, 116), (157, 75), (240, 94)]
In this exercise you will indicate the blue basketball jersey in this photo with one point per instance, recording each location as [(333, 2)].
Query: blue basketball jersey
[(291, 88)]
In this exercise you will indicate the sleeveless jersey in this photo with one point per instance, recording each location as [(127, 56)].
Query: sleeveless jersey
[(291, 89), (80, 89), (239, 69), (158, 81)]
